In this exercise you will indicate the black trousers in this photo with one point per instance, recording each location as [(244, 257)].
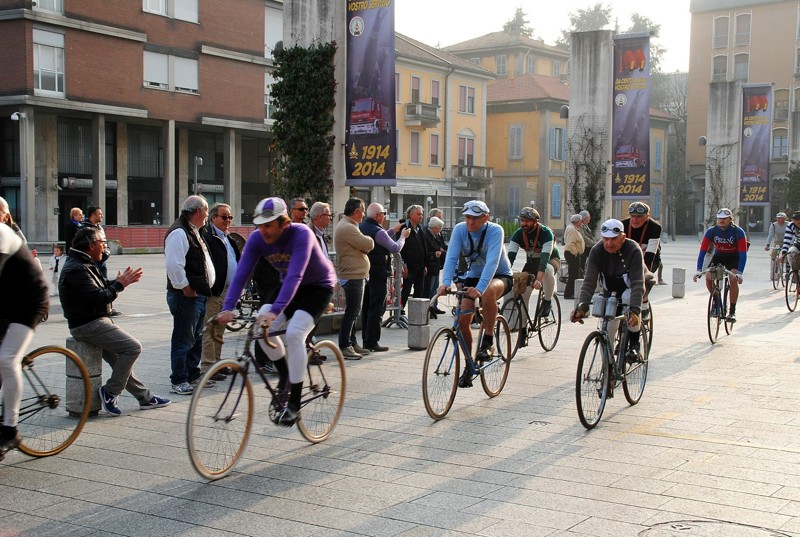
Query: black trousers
[(573, 273)]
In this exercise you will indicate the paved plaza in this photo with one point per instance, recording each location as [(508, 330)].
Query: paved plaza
[(711, 449)]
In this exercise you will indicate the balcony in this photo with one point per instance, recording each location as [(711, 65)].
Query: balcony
[(422, 115), (473, 177)]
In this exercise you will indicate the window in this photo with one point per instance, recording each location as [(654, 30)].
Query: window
[(781, 108), (435, 92), (556, 68), (397, 87), (515, 142), (466, 99), (657, 204), (720, 69), (413, 155), (269, 107), (185, 10), (434, 150), (273, 29), (742, 36), (514, 196), (558, 143), (415, 81), (475, 61), (48, 63), (741, 65), (720, 39), (530, 64), (657, 159), (780, 145), (56, 6), (501, 62), (174, 73), (466, 151), (555, 200)]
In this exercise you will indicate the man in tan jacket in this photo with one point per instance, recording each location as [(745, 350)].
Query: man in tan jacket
[(573, 249), (351, 248)]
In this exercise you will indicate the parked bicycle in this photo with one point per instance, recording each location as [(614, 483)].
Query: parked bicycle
[(442, 365), (56, 400), (718, 301), (220, 418), (604, 361), (246, 308), (523, 327)]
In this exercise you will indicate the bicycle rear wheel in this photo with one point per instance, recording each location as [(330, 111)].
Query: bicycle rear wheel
[(495, 373), (440, 373), (517, 323), (636, 372), (591, 382), (714, 315), (726, 306), (219, 420), (56, 400), (649, 325), (791, 290), (549, 326), (323, 392), (774, 273)]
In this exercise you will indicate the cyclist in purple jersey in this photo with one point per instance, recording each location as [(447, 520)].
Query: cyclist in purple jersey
[(730, 250), (307, 279)]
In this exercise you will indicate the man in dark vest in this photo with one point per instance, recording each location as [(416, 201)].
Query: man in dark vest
[(380, 269), (190, 276)]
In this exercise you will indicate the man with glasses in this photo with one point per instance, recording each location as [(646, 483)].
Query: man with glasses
[(307, 276), (415, 256), (488, 275), (644, 230), (190, 276), (299, 210), (541, 255), (86, 297), (777, 230), (729, 244), (617, 261), (791, 242), (320, 217), (225, 256), (380, 270)]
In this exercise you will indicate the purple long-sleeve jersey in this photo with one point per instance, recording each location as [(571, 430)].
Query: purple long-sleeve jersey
[(296, 255)]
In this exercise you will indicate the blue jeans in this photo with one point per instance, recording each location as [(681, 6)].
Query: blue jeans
[(353, 296), (187, 335)]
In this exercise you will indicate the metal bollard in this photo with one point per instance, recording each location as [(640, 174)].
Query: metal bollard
[(678, 282)]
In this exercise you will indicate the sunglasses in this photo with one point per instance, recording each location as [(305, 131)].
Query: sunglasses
[(304, 209), (225, 217), (606, 229)]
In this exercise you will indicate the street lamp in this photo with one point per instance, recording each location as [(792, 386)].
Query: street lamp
[(198, 161)]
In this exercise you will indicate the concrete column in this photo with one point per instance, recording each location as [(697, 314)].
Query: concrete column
[(169, 195), (678, 282), (93, 360), (232, 195), (99, 161), (122, 174), (419, 331), (27, 167)]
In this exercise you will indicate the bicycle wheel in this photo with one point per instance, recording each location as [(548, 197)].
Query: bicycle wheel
[(323, 392), (774, 273), (495, 373), (56, 400), (714, 314), (440, 373), (636, 372), (726, 306), (513, 314), (219, 420), (791, 290), (549, 327), (649, 325), (591, 382)]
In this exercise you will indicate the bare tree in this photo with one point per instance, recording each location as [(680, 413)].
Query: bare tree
[(587, 168), (718, 160)]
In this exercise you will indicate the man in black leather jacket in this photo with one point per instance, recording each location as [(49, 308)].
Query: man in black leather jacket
[(86, 298)]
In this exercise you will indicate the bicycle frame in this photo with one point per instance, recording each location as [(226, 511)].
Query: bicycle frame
[(473, 369)]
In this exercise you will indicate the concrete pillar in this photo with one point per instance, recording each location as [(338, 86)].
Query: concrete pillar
[(27, 174), (99, 161), (232, 195), (678, 282), (169, 199), (93, 360), (419, 331), (122, 174)]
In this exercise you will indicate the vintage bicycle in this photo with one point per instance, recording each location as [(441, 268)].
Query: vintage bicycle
[(523, 327), (718, 301)]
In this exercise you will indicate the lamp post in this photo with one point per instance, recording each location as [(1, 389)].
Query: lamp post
[(198, 161)]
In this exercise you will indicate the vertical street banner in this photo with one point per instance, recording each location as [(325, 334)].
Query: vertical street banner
[(370, 153), (630, 118), (756, 129)]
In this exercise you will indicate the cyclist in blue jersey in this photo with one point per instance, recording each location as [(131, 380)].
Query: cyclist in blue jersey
[(730, 249), (488, 277)]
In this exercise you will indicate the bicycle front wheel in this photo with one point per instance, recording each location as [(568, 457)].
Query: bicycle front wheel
[(495, 373), (636, 372), (517, 323), (550, 326), (440, 373), (714, 315), (323, 392), (219, 420), (791, 290), (56, 400), (591, 382), (774, 273)]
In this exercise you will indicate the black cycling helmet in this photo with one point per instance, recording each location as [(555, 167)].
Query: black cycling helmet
[(529, 213), (796, 215), (637, 207)]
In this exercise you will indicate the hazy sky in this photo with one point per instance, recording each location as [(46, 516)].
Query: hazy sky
[(446, 22)]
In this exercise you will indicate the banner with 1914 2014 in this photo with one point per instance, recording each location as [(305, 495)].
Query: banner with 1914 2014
[(756, 130)]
